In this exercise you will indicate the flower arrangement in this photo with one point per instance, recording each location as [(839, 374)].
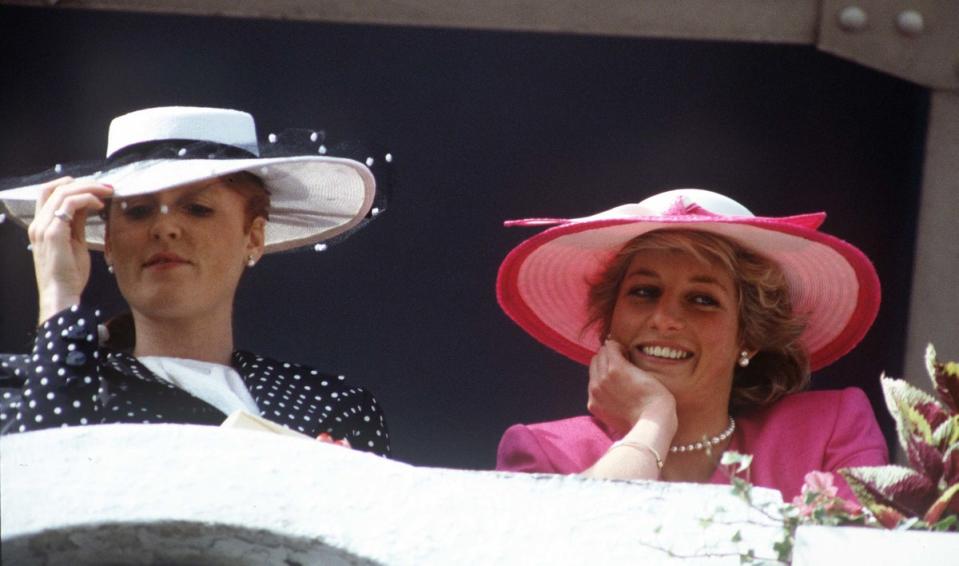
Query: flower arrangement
[(924, 495)]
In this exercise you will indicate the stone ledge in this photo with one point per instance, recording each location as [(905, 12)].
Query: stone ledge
[(841, 546), (146, 494)]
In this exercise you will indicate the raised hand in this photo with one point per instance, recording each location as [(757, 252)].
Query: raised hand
[(620, 394), (638, 407), (61, 259)]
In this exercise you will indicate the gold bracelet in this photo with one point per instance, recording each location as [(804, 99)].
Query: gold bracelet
[(640, 447)]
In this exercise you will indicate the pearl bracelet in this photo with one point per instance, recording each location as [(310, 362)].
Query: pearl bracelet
[(640, 447)]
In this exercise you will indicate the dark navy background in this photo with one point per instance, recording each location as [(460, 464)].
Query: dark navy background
[(484, 126)]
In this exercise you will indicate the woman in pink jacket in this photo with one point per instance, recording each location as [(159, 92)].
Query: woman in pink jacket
[(700, 323)]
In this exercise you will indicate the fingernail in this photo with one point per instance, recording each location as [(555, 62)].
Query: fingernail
[(107, 185)]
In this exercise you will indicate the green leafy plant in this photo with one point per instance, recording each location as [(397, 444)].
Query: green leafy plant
[(925, 494)]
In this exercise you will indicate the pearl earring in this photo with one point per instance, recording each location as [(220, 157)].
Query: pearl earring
[(250, 262), (110, 268), (743, 359)]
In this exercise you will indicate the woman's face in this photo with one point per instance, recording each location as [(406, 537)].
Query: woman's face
[(678, 317), (180, 253)]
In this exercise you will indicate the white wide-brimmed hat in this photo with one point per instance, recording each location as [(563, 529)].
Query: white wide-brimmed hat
[(313, 196), (543, 283)]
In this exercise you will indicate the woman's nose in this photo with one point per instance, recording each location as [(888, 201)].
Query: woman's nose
[(666, 316), (165, 226)]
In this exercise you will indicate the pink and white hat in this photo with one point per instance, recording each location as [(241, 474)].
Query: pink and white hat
[(543, 283)]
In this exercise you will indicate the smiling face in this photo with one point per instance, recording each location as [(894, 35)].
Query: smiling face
[(678, 316), (180, 253)]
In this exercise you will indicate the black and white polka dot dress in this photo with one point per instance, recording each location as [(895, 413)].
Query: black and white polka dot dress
[(68, 380)]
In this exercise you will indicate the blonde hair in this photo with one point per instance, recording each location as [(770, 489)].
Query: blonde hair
[(767, 323)]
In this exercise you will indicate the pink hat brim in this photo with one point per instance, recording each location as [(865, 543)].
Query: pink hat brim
[(543, 282)]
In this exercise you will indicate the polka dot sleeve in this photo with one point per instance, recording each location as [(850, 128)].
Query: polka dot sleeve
[(61, 384), (311, 402), (359, 419)]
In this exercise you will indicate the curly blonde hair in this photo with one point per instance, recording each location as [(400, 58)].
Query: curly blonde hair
[(767, 323)]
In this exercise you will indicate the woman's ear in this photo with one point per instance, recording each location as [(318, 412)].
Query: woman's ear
[(256, 239)]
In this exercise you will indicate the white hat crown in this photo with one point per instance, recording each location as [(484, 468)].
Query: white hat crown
[(677, 201), (217, 125), (713, 202)]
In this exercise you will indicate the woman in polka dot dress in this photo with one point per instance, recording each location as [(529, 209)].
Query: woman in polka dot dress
[(180, 209)]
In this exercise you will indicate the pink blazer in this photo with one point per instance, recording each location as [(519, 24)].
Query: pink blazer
[(817, 430)]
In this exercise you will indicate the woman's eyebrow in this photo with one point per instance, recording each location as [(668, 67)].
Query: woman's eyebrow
[(194, 192), (708, 280), (704, 279), (642, 272)]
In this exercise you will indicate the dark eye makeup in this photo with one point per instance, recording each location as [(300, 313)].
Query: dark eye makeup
[(136, 210), (654, 292), (704, 300), (198, 210), (644, 291), (144, 209)]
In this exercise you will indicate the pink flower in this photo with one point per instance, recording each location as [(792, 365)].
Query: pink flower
[(820, 483), (819, 493)]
